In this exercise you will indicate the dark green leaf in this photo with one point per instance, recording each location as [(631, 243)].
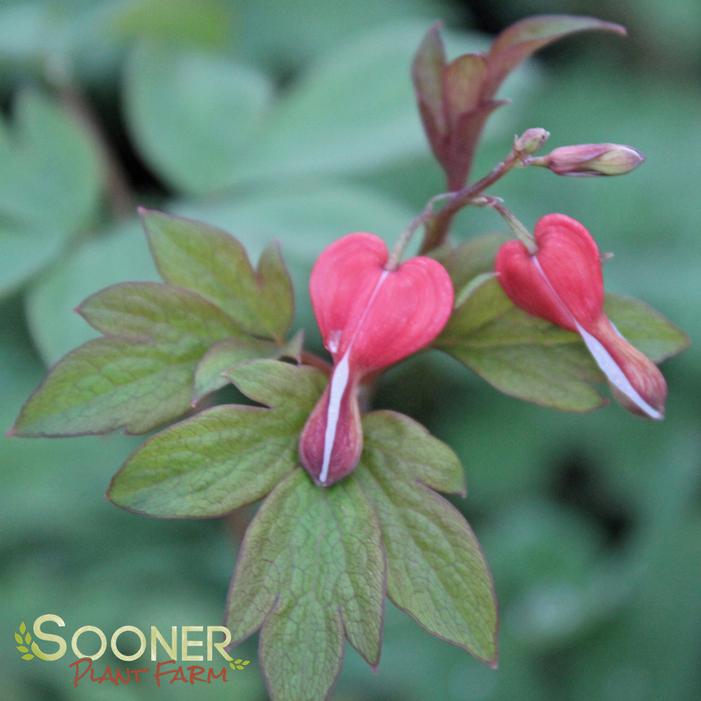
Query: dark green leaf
[(436, 571), (227, 456), (214, 264), (311, 568)]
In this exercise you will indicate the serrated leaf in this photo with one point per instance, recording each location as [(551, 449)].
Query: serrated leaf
[(28, 656), (227, 456), (18, 639), (231, 352), (216, 102), (436, 571), (22, 648), (22, 628), (527, 36), (138, 377), (214, 264), (310, 569), (27, 638), (529, 358)]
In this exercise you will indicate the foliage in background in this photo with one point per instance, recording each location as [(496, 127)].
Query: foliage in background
[(593, 536)]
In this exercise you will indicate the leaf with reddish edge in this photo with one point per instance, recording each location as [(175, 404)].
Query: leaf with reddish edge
[(534, 360), (214, 264), (138, 377), (427, 74), (436, 571), (520, 40), (227, 456), (231, 352), (311, 569)]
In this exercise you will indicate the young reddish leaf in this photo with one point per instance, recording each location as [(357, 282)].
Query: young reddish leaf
[(223, 457), (436, 571), (310, 569), (427, 73), (520, 40), (136, 379), (463, 83), (215, 265), (230, 353)]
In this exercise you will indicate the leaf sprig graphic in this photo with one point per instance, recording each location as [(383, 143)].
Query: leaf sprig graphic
[(239, 663), (23, 638)]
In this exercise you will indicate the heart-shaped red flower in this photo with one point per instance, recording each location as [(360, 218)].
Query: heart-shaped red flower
[(562, 282), (369, 317)]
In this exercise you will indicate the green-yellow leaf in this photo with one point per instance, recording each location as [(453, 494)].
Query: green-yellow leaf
[(436, 571), (137, 378), (227, 456), (311, 569), (215, 265), (231, 352)]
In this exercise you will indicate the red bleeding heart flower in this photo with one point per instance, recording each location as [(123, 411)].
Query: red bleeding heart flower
[(370, 317), (562, 282)]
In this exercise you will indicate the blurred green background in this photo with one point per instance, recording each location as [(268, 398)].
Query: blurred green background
[(295, 121)]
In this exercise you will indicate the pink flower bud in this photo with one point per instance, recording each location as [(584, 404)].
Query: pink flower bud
[(592, 159), (369, 318), (562, 282), (531, 140)]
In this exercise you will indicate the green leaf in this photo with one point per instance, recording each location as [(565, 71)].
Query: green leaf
[(531, 359), (470, 259), (352, 111), (49, 187), (193, 114), (138, 378), (645, 328), (227, 456), (310, 569), (436, 572), (231, 352), (214, 264)]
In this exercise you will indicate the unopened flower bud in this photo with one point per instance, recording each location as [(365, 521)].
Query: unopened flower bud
[(592, 159), (531, 140), (562, 282), (369, 318)]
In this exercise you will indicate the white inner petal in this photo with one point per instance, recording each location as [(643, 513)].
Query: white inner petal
[(339, 382), (601, 356), (614, 374)]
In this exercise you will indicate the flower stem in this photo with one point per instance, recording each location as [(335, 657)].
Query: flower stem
[(437, 227), (515, 224)]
